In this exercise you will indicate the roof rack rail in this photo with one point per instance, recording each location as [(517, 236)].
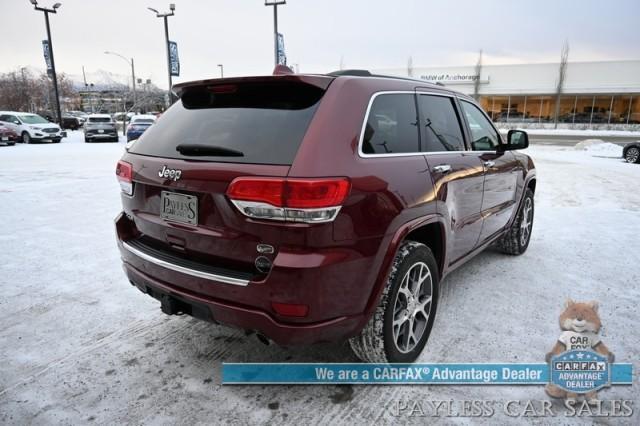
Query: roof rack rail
[(367, 73), (359, 73)]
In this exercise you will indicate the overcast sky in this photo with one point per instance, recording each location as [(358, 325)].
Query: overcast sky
[(318, 33)]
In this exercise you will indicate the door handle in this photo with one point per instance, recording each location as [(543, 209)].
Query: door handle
[(489, 164), (442, 168)]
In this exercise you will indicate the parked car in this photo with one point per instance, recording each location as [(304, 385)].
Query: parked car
[(139, 124), (31, 127), (70, 122), (631, 152), (8, 136), (100, 127), (80, 115), (315, 208)]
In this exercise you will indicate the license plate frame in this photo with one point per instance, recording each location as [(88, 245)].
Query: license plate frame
[(180, 208)]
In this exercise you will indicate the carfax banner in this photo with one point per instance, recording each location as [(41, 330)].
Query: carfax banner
[(575, 376)]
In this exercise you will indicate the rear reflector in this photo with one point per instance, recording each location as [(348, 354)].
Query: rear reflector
[(289, 199), (124, 172), (290, 310)]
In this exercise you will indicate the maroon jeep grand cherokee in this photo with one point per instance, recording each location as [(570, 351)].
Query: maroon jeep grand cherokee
[(313, 208)]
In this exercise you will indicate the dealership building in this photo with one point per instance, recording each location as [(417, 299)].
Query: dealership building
[(595, 94)]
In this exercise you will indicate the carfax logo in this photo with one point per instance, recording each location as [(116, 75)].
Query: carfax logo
[(579, 361)]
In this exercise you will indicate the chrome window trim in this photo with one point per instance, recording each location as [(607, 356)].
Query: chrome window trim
[(184, 270), (361, 154)]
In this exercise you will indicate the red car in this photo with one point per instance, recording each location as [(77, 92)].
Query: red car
[(7, 136), (315, 208)]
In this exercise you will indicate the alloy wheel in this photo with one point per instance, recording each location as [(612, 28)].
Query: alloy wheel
[(632, 155), (412, 307), (527, 222)]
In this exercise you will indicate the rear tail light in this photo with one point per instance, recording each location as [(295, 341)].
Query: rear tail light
[(124, 172), (289, 199)]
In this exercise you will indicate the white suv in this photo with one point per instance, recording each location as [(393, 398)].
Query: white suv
[(31, 127)]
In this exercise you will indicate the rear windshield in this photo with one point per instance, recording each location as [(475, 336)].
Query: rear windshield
[(264, 121), (143, 121), (99, 120)]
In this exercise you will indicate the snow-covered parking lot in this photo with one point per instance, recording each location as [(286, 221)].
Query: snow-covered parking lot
[(79, 344)]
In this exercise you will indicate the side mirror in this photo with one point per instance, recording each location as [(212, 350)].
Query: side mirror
[(17, 122), (516, 139)]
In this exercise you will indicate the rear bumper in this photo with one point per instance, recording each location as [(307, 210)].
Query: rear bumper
[(245, 318), (334, 284)]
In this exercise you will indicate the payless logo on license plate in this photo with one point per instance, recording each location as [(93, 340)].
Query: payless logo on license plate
[(179, 207)]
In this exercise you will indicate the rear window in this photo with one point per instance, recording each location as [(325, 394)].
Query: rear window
[(99, 120), (266, 122), (143, 121)]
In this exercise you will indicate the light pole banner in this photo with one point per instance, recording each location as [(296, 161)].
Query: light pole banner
[(282, 58), (420, 374), (47, 55), (173, 58)]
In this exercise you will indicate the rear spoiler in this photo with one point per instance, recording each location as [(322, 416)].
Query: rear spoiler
[(316, 80)]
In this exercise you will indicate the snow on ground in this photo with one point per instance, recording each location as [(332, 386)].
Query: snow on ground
[(79, 344)]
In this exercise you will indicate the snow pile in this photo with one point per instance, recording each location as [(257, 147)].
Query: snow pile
[(599, 147)]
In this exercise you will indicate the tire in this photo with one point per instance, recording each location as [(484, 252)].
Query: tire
[(516, 240), (378, 342), (86, 140), (11, 143), (632, 155), (26, 137)]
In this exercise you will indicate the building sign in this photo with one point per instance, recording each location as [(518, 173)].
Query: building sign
[(174, 61), (47, 55), (453, 78), (282, 58)]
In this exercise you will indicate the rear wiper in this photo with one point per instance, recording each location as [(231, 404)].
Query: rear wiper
[(213, 150)]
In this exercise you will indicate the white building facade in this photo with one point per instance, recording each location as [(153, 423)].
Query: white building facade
[(595, 94)]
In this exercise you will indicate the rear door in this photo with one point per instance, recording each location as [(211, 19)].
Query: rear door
[(457, 174), (501, 171), (230, 130)]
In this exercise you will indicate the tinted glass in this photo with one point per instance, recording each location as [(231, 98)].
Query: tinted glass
[(99, 120), (143, 120), (440, 126), (483, 136), (392, 125), (265, 122)]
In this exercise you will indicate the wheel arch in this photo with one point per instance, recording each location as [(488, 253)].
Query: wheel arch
[(430, 231)]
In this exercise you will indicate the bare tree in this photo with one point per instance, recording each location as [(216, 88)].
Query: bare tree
[(410, 66), (476, 81), (562, 73), (22, 91)]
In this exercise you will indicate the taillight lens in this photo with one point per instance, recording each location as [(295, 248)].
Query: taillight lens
[(124, 172), (289, 199)]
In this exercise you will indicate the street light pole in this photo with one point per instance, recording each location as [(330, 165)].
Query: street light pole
[(221, 66), (275, 4), (133, 72), (165, 16), (53, 63)]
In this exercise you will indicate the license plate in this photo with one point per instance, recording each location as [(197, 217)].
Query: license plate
[(5, 138), (100, 131), (179, 207)]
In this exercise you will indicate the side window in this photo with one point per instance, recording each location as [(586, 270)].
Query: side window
[(392, 125), (4, 118), (483, 135), (440, 126)]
